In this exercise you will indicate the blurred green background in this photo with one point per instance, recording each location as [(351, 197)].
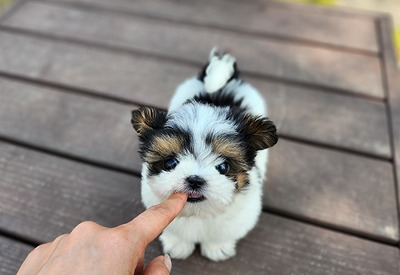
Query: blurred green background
[(4, 4), (389, 6)]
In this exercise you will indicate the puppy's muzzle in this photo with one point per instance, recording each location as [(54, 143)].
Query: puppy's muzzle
[(195, 186), (195, 183)]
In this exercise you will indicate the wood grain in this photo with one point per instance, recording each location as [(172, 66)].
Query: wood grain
[(99, 131), (256, 17), (111, 53), (294, 248), (357, 73), (326, 118), (12, 254), (331, 119), (43, 196), (51, 195), (93, 129)]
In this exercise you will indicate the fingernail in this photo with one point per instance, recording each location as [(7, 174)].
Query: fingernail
[(167, 262)]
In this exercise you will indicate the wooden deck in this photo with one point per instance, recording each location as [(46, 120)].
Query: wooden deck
[(71, 71)]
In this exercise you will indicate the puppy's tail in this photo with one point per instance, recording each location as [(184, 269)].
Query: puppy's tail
[(220, 69)]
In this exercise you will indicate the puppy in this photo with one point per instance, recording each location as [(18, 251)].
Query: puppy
[(210, 144)]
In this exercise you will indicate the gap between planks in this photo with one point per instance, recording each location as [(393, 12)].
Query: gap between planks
[(19, 238), (269, 210), (72, 157), (172, 59), (328, 226), (383, 26), (116, 168), (94, 94), (124, 101)]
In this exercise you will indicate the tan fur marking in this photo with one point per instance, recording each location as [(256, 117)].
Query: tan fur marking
[(227, 148), (232, 151), (166, 146), (162, 147), (235, 156), (242, 179)]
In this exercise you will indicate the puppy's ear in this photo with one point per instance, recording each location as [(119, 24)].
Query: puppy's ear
[(148, 118), (259, 131)]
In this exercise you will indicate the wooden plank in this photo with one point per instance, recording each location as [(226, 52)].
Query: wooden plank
[(346, 71), (43, 196), (90, 128), (295, 248), (392, 84), (12, 254), (58, 193), (100, 131), (342, 121), (337, 186), (256, 17), (330, 119), (130, 77)]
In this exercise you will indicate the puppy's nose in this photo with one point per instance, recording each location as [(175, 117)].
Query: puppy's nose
[(195, 182)]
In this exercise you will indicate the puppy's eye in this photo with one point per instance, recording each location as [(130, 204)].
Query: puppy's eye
[(170, 164), (223, 168)]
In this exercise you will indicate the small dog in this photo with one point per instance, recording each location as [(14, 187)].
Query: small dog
[(210, 144)]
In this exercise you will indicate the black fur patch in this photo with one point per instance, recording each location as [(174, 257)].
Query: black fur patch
[(257, 131), (147, 118), (220, 99)]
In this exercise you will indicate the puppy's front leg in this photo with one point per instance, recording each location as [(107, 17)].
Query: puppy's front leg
[(218, 251), (175, 246)]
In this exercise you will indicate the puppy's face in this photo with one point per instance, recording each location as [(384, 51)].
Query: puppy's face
[(201, 150)]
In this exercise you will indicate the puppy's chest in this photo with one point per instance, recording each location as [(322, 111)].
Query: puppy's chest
[(199, 229)]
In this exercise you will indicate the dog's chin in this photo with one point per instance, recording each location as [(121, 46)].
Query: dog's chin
[(204, 205), (204, 209), (195, 197), (199, 205)]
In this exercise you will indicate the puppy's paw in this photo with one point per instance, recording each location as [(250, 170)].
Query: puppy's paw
[(175, 247), (218, 251)]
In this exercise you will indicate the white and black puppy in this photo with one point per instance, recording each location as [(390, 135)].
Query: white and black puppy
[(210, 144)]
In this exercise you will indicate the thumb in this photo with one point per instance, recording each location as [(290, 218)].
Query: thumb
[(159, 266)]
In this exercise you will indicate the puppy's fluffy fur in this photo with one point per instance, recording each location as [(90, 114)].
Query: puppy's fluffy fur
[(210, 144)]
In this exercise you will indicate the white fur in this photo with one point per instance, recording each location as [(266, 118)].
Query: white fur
[(225, 216), (218, 72)]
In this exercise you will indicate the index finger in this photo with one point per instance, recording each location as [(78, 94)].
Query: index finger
[(149, 224)]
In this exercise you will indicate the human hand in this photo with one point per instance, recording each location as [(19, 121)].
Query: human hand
[(93, 249)]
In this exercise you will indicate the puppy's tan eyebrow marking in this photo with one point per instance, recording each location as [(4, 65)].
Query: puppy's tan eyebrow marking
[(231, 149), (165, 145), (227, 147)]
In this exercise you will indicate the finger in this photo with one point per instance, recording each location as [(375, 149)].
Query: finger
[(148, 225), (35, 260), (158, 266), (140, 265)]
